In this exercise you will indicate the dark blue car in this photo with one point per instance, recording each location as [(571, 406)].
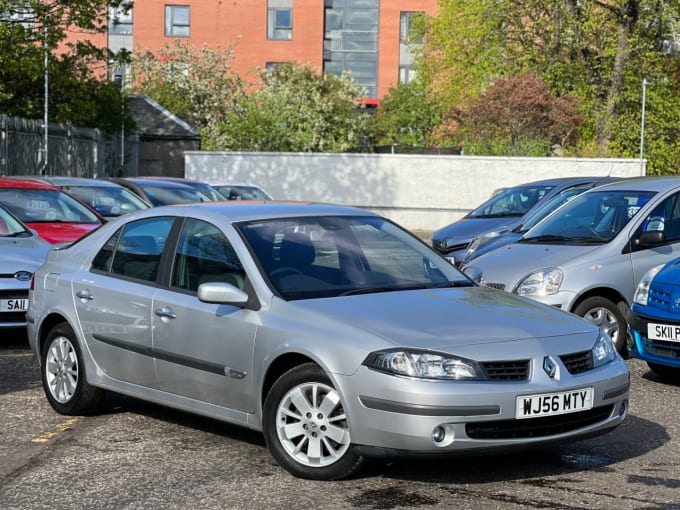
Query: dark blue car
[(654, 320)]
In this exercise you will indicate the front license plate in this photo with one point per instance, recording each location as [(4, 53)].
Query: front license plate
[(550, 404), (663, 332), (13, 305)]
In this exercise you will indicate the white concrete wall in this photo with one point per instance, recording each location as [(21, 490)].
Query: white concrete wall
[(418, 192)]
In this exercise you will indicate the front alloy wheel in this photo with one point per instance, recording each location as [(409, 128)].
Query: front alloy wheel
[(306, 428), (606, 315)]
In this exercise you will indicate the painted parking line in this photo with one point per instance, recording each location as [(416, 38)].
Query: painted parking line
[(59, 429)]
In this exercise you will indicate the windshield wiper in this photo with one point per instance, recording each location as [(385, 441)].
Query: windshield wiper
[(552, 238), (546, 239), (396, 288)]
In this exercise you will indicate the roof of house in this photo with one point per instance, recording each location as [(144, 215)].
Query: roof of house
[(153, 120)]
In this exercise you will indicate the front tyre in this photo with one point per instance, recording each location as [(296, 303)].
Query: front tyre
[(63, 375), (305, 426)]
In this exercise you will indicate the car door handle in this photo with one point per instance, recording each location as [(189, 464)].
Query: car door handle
[(84, 294), (165, 312)]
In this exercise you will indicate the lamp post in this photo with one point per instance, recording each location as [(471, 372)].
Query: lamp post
[(642, 123), (46, 51)]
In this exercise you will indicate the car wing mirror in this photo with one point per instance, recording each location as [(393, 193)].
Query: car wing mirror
[(651, 238), (222, 293), (474, 273)]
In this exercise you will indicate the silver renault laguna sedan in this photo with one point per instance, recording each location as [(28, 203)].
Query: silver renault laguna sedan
[(330, 329)]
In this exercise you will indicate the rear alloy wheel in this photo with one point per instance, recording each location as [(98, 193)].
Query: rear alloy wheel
[(305, 426), (63, 374), (606, 315)]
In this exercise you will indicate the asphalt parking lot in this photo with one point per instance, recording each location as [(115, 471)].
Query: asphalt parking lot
[(138, 456)]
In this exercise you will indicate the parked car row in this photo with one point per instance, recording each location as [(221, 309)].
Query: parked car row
[(591, 255), (37, 212)]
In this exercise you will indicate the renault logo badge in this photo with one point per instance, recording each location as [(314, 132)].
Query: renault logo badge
[(549, 366)]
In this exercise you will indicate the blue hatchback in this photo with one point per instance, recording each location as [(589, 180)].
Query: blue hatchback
[(654, 320)]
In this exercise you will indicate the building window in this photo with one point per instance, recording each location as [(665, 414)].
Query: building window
[(405, 23), (177, 21), (279, 22), (120, 19), (269, 66), (406, 74)]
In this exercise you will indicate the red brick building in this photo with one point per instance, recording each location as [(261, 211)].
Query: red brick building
[(367, 37)]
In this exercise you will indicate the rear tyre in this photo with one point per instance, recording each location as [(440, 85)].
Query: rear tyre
[(63, 374), (305, 426), (665, 372), (605, 314)]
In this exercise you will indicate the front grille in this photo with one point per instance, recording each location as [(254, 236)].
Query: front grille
[(662, 348), (538, 427), (578, 362), (507, 370), (14, 294), (659, 297), (497, 286)]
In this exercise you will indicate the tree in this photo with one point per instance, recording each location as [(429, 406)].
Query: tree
[(597, 50), (77, 94), (517, 116), (298, 108), (407, 115), (196, 84)]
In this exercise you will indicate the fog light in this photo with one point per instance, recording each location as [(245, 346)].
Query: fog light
[(438, 434)]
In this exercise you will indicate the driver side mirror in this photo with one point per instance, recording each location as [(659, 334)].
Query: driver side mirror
[(651, 238)]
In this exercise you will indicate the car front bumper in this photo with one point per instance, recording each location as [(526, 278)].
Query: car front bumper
[(654, 351), (391, 413)]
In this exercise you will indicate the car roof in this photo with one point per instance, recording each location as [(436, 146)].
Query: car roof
[(80, 181), (246, 210), (9, 182), (646, 183), (141, 181)]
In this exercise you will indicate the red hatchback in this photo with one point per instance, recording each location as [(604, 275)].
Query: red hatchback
[(55, 215)]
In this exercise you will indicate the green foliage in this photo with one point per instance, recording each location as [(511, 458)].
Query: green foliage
[(78, 90), (196, 84), (298, 109), (598, 52), (407, 115)]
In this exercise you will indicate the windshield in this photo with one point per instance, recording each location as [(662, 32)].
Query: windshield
[(551, 205), (595, 217), (46, 206), (10, 226), (242, 192), (314, 257), (108, 201), (511, 202)]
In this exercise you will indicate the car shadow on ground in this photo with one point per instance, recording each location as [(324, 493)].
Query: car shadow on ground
[(598, 454)]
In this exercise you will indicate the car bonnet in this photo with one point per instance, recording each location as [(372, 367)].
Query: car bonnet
[(438, 318)]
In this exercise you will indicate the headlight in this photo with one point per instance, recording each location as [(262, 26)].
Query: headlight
[(541, 283), (604, 350), (425, 365), (474, 244), (642, 291)]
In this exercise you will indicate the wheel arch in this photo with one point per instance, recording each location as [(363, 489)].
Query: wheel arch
[(606, 292), (46, 326), (280, 366)]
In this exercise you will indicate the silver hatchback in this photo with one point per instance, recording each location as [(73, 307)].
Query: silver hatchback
[(333, 331), (588, 256)]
